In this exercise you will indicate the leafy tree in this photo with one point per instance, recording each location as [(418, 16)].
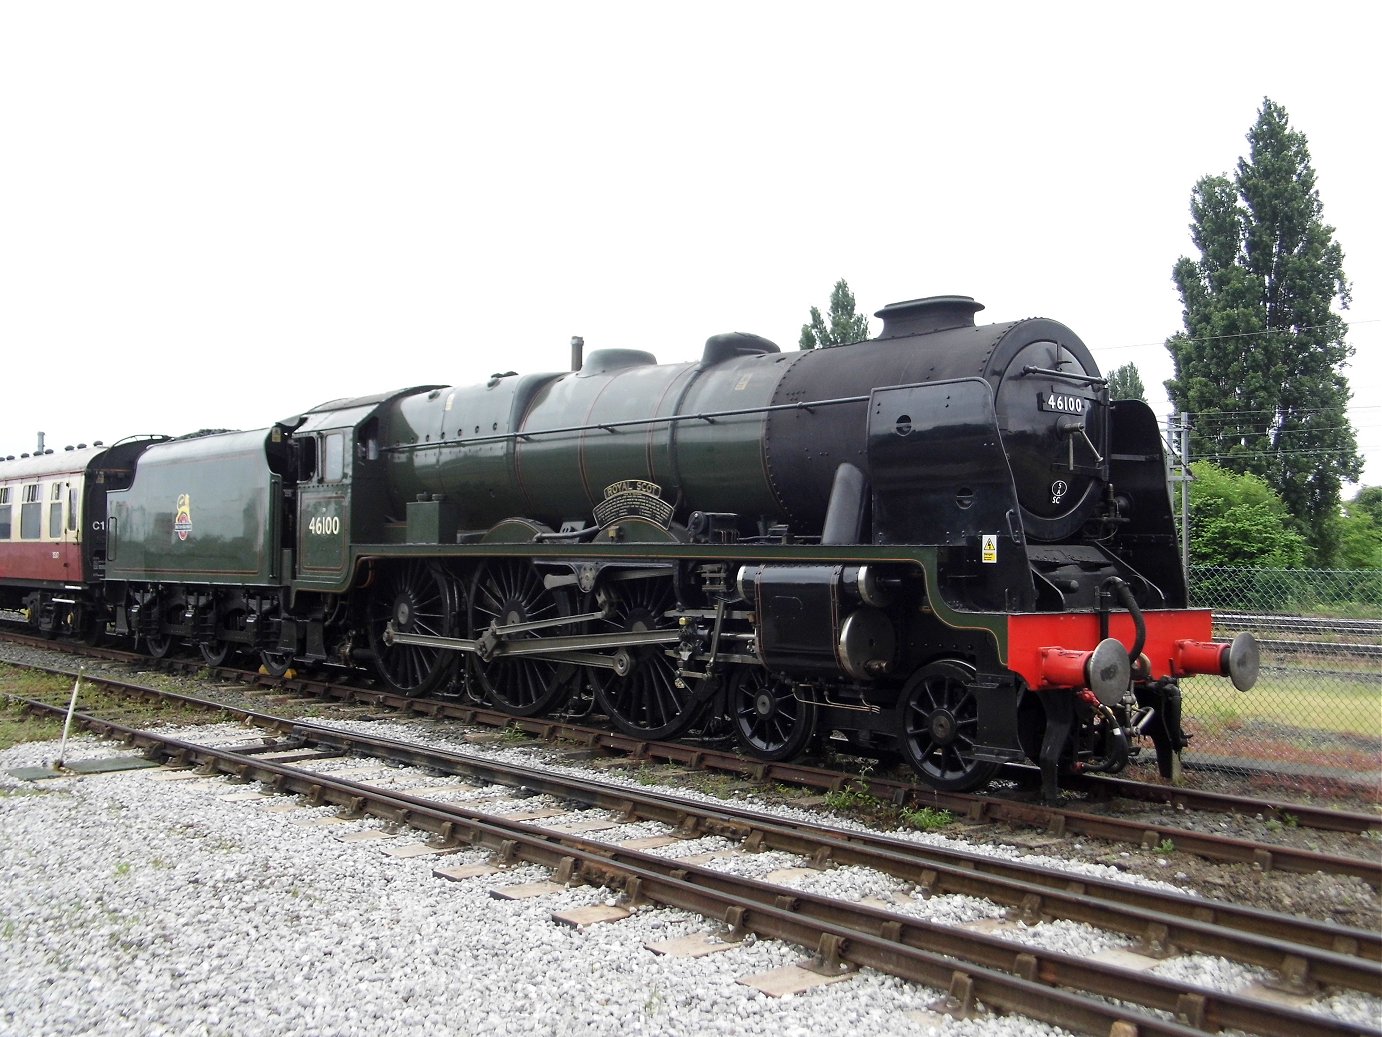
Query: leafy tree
[(1367, 502), (1238, 520), (1360, 531), (1259, 364), (845, 324), (1124, 383)]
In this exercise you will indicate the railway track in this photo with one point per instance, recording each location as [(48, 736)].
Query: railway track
[(971, 965), (1019, 808), (1364, 635), (1236, 621)]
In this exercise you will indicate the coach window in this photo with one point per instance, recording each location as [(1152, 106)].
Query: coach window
[(55, 510), (6, 529), (31, 514), (333, 467), (72, 508)]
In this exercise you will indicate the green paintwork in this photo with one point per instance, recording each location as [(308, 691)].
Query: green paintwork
[(496, 449), (339, 494), (228, 532)]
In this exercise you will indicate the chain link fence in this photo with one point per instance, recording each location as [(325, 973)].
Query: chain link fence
[(1313, 723)]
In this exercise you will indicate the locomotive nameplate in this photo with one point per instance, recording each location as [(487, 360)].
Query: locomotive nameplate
[(182, 521), (634, 498), (1062, 402)]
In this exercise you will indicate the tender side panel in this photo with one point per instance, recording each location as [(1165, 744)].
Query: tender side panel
[(199, 511)]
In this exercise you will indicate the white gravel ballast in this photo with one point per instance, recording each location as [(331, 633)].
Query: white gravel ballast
[(135, 906)]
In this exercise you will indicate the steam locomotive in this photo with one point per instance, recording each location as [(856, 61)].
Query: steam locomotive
[(946, 542)]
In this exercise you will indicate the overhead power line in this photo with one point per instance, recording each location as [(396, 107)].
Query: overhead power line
[(1242, 334)]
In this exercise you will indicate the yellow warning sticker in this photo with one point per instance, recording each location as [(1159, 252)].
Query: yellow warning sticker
[(989, 553)]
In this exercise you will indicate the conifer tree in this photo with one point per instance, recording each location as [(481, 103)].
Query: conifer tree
[(845, 324), (1125, 383), (1260, 363)]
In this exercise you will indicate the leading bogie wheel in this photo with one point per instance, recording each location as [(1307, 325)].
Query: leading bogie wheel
[(771, 721), (938, 726)]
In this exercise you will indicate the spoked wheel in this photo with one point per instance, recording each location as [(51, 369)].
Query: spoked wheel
[(646, 702), (938, 721), (416, 597), (506, 592), (770, 721)]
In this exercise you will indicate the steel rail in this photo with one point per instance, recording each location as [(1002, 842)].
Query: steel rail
[(1104, 787), (1322, 648), (1301, 951), (1304, 624), (1011, 976), (970, 806), (975, 808)]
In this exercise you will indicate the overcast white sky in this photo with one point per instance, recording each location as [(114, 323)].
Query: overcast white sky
[(218, 215)]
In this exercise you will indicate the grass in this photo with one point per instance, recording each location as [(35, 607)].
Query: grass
[(17, 725), (856, 799), (1317, 703), (853, 799), (928, 819)]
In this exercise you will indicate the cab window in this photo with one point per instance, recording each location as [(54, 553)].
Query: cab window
[(307, 458), (333, 466)]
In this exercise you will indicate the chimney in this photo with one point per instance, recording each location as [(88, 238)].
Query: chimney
[(577, 352), (919, 316), (39, 449)]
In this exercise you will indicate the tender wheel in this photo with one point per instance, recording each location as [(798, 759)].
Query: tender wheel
[(647, 702), (214, 653), (416, 597), (506, 592), (161, 645), (276, 664), (938, 722), (158, 645), (770, 721)]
